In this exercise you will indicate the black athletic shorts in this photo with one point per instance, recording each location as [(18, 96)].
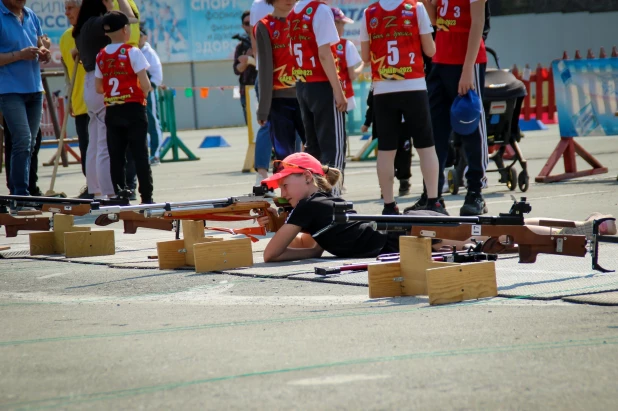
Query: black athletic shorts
[(388, 108)]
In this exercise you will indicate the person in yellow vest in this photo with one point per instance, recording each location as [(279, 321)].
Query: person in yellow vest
[(135, 34), (78, 108)]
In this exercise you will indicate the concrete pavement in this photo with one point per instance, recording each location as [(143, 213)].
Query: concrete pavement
[(76, 336)]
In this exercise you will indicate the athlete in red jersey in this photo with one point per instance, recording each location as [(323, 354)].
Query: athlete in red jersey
[(120, 82), (349, 62), (318, 88), (277, 101), (458, 66), (394, 34), (122, 79)]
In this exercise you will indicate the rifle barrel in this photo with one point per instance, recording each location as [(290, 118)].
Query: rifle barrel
[(45, 200), (152, 210), (408, 220)]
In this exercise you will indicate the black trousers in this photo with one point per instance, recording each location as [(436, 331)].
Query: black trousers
[(127, 127), (324, 124), (33, 189), (442, 84), (285, 121), (403, 157), (81, 127)]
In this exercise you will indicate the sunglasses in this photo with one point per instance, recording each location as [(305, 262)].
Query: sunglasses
[(246, 23), (282, 164)]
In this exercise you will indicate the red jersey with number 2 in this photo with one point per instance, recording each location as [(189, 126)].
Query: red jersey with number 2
[(120, 82), (305, 46), (283, 60), (394, 42), (454, 20), (342, 65)]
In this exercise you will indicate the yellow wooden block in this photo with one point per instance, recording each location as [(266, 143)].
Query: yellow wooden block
[(189, 256), (415, 259), (62, 224), (461, 282), (171, 255), (223, 255), (89, 243), (385, 280), (41, 243), (192, 230)]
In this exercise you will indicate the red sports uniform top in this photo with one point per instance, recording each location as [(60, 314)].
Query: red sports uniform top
[(304, 45), (120, 82), (453, 19), (394, 42), (342, 66), (283, 60)]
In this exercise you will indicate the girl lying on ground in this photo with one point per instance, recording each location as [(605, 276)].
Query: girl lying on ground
[(306, 184)]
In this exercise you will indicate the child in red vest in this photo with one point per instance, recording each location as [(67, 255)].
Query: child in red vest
[(277, 101), (318, 88), (349, 62), (394, 35), (122, 79)]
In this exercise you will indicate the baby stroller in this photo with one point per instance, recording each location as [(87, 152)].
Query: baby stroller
[(503, 96)]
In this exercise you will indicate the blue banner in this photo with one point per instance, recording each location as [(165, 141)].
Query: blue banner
[(587, 97)]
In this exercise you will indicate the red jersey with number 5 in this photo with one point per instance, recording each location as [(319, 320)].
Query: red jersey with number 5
[(304, 45), (454, 19), (394, 42), (341, 50), (283, 60), (120, 82)]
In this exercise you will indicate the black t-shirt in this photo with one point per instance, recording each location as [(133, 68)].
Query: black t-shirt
[(355, 239), (90, 41)]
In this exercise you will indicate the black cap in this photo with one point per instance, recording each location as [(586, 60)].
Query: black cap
[(114, 21)]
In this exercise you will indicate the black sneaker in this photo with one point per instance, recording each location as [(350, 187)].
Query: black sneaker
[(390, 209), (147, 201), (419, 205), (438, 207), (404, 187), (474, 205), (36, 191), (132, 196), (84, 194)]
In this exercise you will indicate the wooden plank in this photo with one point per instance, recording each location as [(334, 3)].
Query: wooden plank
[(169, 256), (223, 255), (415, 259), (42, 243), (5, 247), (461, 282), (89, 243), (189, 256), (382, 280), (63, 223)]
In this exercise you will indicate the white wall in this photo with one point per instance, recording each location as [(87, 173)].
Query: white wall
[(541, 38)]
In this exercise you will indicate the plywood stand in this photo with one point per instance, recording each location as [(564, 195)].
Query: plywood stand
[(416, 274)]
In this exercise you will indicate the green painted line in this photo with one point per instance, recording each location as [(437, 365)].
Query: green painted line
[(118, 394), (257, 322)]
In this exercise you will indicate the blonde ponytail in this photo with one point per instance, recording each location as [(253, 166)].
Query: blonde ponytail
[(330, 179)]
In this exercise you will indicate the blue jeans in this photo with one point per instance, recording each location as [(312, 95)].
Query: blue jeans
[(263, 145), (23, 118)]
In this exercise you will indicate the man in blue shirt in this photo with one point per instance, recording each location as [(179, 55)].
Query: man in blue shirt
[(21, 90)]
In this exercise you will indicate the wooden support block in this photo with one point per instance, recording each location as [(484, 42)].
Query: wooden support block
[(62, 224), (415, 259), (461, 282), (385, 280), (42, 243), (222, 255), (89, 243), (170, 254)]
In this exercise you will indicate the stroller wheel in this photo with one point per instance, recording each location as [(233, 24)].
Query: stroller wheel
[(512, 181), (453, 181), (523, 181)]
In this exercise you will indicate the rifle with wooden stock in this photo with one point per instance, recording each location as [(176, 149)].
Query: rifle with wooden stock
[(164, 216), (26, 220), (507, 230)]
